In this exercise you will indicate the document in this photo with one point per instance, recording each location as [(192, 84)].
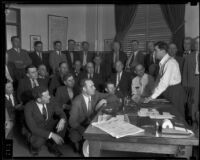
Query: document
[(117, 127)]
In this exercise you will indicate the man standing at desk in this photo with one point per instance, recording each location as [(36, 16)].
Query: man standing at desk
[(168, 81)]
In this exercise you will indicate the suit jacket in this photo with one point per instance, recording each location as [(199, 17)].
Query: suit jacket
[(90, 56), (97, 79), (79, 117), (189, 67), (21, 60), (103, 71), (139, 58), (54, 83), (24, 90), (109, 61), (55, 59), (13, 73), (69, 60), (35, 121), (148, 61), (180, 61), (10, 108), (62, 96), (124, 84), (36, 60)]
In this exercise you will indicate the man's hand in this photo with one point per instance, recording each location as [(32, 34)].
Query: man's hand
[(57, 139), (147, 100), (60, 125), (101, 102)]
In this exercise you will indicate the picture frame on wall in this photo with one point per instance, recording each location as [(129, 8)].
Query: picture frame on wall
[(57, 30), (33, 39), (107, 44)]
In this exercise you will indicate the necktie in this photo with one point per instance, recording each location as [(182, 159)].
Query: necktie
[(34, 83), (44, 112), (97, 69), (89, 106), (72, 58), (118, 78), (40, 54)]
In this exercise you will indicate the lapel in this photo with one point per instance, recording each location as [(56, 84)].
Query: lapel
[(37, 112)]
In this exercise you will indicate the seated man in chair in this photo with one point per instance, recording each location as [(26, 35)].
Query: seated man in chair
[(39, 118), (84, 107)]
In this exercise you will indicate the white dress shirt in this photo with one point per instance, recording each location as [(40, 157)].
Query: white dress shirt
[(142, 86), (58, 52), (197, 63), (84, 58), (86, 98), (40, 106), (12, 99), (32, 83), (169, 75), (118, 78)]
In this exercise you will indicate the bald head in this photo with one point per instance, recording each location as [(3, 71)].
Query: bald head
[(90, 67), (139, 70)]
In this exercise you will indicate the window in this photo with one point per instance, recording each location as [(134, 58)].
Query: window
[(13, 27), (149, 25)]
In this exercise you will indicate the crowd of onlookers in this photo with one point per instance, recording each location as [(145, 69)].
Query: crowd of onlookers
[(58, 78)]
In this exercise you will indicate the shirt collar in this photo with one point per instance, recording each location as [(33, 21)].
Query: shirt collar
[(164, 59), (8, 96), (86, 97)]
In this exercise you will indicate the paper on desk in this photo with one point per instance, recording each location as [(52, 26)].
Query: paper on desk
[(118, 128), (159, 116), (145, 112)]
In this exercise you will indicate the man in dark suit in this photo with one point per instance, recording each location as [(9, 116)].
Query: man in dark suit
[(56, 56), (11, 104), (37, 56), (150, 62), (65, 94), (100, 67), (57, 78), (24, 91), (173, 52), (85, 55), (18, 56), (191, 78), (97, 79), (121, 79), (115, 55), (71, 55), (43, 74), (136, 57), (187, 45), (84, 107), (39, 118)]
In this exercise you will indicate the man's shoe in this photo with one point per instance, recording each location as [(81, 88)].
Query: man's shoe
[(54, 150)]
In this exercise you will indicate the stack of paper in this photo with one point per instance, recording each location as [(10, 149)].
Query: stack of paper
[(117, 127), (146, 112), (165, 115), (176, 132)]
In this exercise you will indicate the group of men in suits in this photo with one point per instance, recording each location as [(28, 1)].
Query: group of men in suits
[(82, 82)]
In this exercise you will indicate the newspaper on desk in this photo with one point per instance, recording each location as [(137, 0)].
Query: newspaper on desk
[(154, 114), (118, 127)]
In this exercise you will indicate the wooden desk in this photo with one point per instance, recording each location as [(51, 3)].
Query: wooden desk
[(145, 142)]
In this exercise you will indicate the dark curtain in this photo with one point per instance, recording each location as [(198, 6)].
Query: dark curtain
[(124, 16), (174, 15)]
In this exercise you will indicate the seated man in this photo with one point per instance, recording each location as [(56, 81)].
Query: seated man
[(121, 79), (39, 118), (96, 78), (142, 84), (24, 91), (43, 74), (65, 94), (57, 78), (84, 107), (10, 106), (114, 99)]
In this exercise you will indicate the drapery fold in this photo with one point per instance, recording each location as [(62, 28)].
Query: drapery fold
[(174, 15), (124, 17)]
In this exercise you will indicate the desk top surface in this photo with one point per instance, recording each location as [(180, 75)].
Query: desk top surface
[(149, 136)]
